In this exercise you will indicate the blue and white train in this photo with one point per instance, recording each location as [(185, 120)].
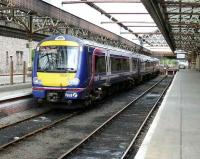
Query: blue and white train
[(67, 68)]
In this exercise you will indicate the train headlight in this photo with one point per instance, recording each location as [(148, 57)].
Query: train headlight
[(74, 82), (37, 81)]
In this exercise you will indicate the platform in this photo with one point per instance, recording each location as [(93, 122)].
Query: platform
[(15, 91), (175, 131)]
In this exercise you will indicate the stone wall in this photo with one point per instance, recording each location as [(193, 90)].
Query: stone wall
[(15, 48)]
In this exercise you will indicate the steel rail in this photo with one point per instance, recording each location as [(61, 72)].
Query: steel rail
[(23, 120), (128, 150), (34, 132), (38, 130), (70, 151)]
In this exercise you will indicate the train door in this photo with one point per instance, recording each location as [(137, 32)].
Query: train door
[(135, 62), (91, 70), (131, 64), (108, 66), (90, 63), (138, 66)]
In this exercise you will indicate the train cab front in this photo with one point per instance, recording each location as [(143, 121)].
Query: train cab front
[(55, 75)]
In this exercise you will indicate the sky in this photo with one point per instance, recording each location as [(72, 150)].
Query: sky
[(86, 12)]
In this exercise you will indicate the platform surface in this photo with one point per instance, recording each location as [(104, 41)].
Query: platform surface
[(15, 91), (175, 131)]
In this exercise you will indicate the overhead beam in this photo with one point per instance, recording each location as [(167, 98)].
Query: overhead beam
[(182, 33), (163, 54), (17, 33), (183, 4), (156, 13), (122, 13), (184, 23), (40, 8), (151, 33), (182, 13), (145, 26), (115, 20), (174, 26), (181, 41), (100, 1), (141, 22)]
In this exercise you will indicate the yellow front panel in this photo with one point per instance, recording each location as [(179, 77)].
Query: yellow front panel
[(55, 79), (59, 43)]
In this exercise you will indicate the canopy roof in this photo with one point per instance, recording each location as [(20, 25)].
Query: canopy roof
[(129, 19), (183, 19)]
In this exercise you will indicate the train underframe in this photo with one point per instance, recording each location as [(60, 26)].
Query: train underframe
[(90, 96)]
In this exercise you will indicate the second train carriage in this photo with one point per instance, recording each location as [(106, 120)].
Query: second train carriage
[(67, 68)]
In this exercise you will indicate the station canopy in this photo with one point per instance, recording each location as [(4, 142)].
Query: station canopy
[(161, 26), (182, 18), (129, 19)]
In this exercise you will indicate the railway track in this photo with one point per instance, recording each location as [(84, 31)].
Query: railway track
[(23, 129), (16, 132), (23, 120), (116, 136)]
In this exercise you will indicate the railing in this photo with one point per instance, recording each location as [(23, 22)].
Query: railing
[(8, 78)]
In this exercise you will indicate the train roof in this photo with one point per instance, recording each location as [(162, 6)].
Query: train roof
[(93, 43)]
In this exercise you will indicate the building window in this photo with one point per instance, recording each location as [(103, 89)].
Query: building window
[(21, 58), (17, 58), (7, 58)]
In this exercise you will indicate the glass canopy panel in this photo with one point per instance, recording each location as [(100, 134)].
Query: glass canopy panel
[(140, 23), (184, 22)]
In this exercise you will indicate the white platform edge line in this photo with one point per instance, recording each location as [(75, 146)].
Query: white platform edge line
[(144, 146)]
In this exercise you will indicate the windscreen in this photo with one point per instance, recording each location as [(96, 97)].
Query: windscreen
[(58, 59)]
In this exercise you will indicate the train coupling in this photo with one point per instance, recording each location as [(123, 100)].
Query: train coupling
[(52, 96)]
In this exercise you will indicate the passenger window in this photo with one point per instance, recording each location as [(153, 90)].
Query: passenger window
[(115, 64), (119, 64), (100, 64), (134, 64)]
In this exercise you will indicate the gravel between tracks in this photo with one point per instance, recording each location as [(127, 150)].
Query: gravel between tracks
[(49, 144)]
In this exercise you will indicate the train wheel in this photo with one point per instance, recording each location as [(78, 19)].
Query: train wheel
[(132, 84), (39, 102), (88, 101)]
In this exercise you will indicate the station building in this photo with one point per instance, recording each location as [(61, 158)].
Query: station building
[(15, 49)]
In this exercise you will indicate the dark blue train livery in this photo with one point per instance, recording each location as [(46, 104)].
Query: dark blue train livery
[(67, 68)]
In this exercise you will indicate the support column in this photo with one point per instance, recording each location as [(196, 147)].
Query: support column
[(24, 72), (11, 71), (30, 45), (193, 61), (197, 66)]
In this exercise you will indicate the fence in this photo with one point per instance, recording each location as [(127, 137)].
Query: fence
[(12, 77)]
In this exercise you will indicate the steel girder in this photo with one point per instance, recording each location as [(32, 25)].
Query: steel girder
[(37, 17), (183, 19), (158, 15), (100, 1), (155, 39)]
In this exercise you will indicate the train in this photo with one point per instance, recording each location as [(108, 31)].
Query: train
[(68, 69)]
